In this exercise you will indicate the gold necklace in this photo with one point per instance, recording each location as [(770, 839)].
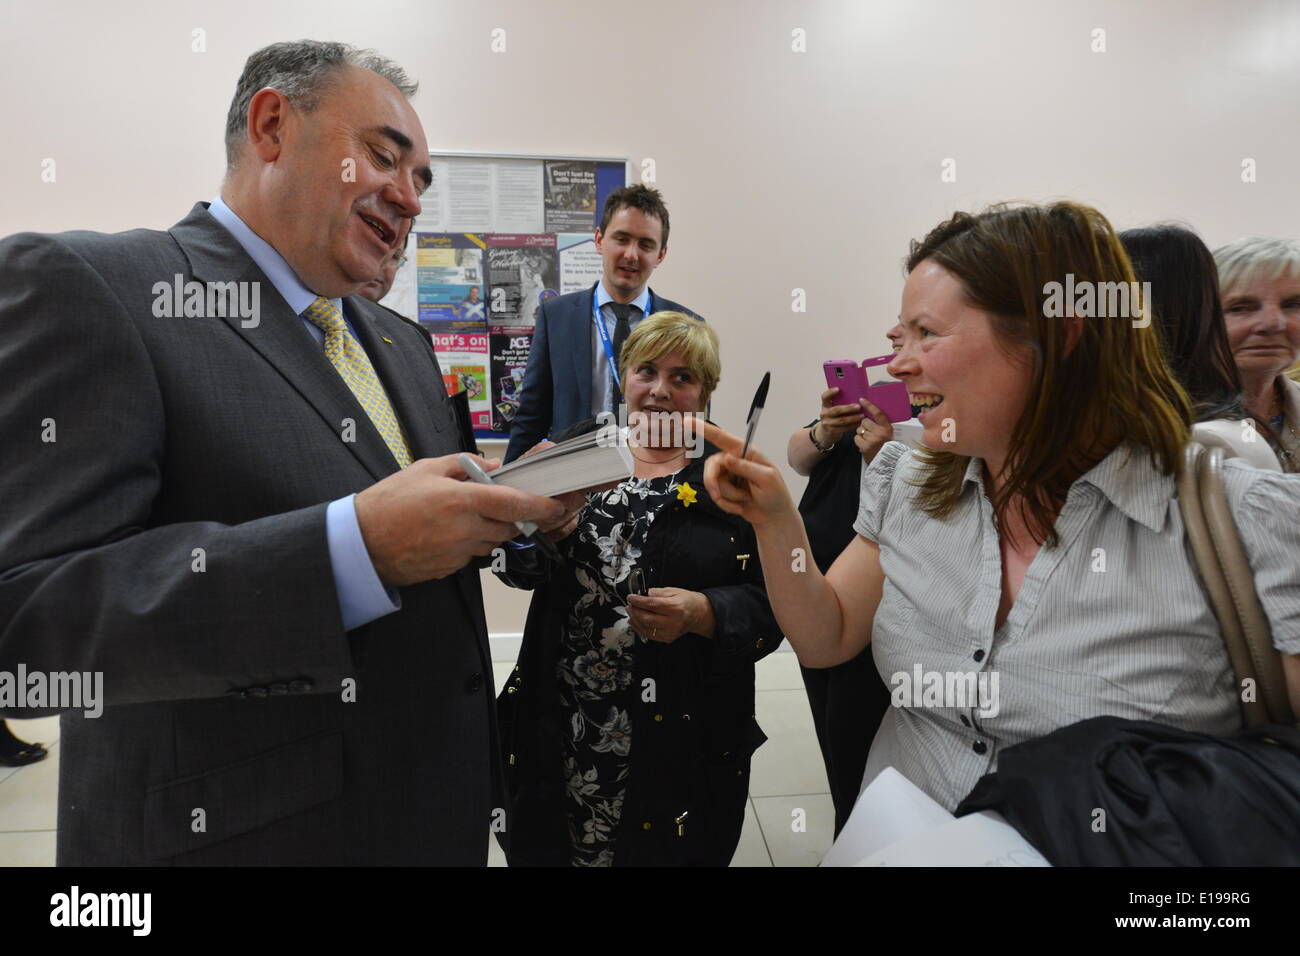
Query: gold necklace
[(652, 461)]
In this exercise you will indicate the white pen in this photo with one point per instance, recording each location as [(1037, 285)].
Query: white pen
[(527, 528), (476, 473)]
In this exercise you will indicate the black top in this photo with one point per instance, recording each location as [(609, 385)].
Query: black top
[(691, 705), (830, 502)]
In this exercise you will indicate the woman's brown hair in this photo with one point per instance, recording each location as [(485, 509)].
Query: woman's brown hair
[(1112, 386)]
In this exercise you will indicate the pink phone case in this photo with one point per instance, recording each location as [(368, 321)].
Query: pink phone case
[(851, 379)]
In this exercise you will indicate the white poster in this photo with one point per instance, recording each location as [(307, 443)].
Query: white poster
[(580, 263), (483, 195), (404, 294), (469, 192), (517, 205)]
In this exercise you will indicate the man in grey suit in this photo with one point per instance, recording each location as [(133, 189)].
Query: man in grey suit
[(230, 487)]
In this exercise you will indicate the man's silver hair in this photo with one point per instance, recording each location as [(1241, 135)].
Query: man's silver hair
[(302, 70), (1242, 258)]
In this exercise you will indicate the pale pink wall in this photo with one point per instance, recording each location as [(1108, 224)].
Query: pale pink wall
[(782, 169)]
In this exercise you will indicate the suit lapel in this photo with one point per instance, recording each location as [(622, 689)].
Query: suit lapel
[(582, 351), (281, 338)]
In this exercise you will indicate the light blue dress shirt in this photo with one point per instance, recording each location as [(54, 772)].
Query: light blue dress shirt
[(601, 390), (362, 596)]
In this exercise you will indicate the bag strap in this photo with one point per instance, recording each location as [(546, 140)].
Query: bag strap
[(1230, 584), (1258, 638)]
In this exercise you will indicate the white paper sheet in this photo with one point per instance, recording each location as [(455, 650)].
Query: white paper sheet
[(894, 823), (977, 839), (890, 809)]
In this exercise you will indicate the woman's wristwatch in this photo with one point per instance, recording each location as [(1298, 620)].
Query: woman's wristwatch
[(816, 444)]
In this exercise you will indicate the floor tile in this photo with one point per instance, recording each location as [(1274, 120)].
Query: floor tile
[(35, 848), (797, 839), (29, 796), (752, 850), (778, 671), (500, 671), (43, 729), (790, 762), (495, 856)]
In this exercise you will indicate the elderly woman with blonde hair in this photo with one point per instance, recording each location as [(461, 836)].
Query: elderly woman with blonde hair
[(1259, 280), (628, 723)]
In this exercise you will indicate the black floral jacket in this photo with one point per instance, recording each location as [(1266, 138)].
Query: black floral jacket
[(693, 723)]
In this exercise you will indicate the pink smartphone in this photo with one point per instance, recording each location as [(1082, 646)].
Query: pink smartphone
[(851, 379)]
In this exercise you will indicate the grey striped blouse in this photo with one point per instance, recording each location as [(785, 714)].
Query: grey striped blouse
[(1111, 621)]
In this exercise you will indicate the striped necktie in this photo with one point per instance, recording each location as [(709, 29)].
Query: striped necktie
[(350, 360)]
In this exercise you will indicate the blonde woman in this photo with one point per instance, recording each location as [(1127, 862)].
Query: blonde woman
[(628, 723)]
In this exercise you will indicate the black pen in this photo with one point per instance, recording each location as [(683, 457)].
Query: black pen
[(755, 410)]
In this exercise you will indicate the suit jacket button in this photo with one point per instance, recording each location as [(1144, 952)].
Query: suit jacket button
[(474, 684), (258, 692), (300, 686), (278, 689), (759, 643)]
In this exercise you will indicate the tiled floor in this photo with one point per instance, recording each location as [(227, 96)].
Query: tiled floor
[(788, 821)]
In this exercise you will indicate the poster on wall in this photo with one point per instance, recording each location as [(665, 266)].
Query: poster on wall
[(483, 194), (452, 279), (521, 276), (497, 237), (579, 262), (404, 294), (570, 196), (508, 361), (463, 359)]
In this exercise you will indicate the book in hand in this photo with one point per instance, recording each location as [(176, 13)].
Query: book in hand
[(590, 460), (895, 823)]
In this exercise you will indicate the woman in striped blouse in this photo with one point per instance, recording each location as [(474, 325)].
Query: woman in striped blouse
[(1027, 569)]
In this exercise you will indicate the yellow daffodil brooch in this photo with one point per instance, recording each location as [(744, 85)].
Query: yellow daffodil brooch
[(686, 494)]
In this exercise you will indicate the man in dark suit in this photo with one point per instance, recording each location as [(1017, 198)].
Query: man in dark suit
[(230, 487), (577, 337)]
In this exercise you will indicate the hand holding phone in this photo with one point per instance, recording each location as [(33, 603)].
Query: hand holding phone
[(836, 418), (636, 582), (851, 379)]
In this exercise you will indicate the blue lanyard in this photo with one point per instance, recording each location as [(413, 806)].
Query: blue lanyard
[(604, 338)]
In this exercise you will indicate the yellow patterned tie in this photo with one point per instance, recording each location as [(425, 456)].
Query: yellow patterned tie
[(349, 358)]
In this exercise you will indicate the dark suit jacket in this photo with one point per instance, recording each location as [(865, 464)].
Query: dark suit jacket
[(226, 738), (557, 383)]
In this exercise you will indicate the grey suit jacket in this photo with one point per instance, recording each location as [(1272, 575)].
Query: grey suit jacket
[(227, 738)]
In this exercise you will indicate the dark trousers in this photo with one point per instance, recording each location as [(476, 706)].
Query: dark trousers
[(848, 703)]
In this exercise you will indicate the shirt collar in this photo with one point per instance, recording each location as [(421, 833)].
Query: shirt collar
[(272, 264), (642, 301), (1128, 479)]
